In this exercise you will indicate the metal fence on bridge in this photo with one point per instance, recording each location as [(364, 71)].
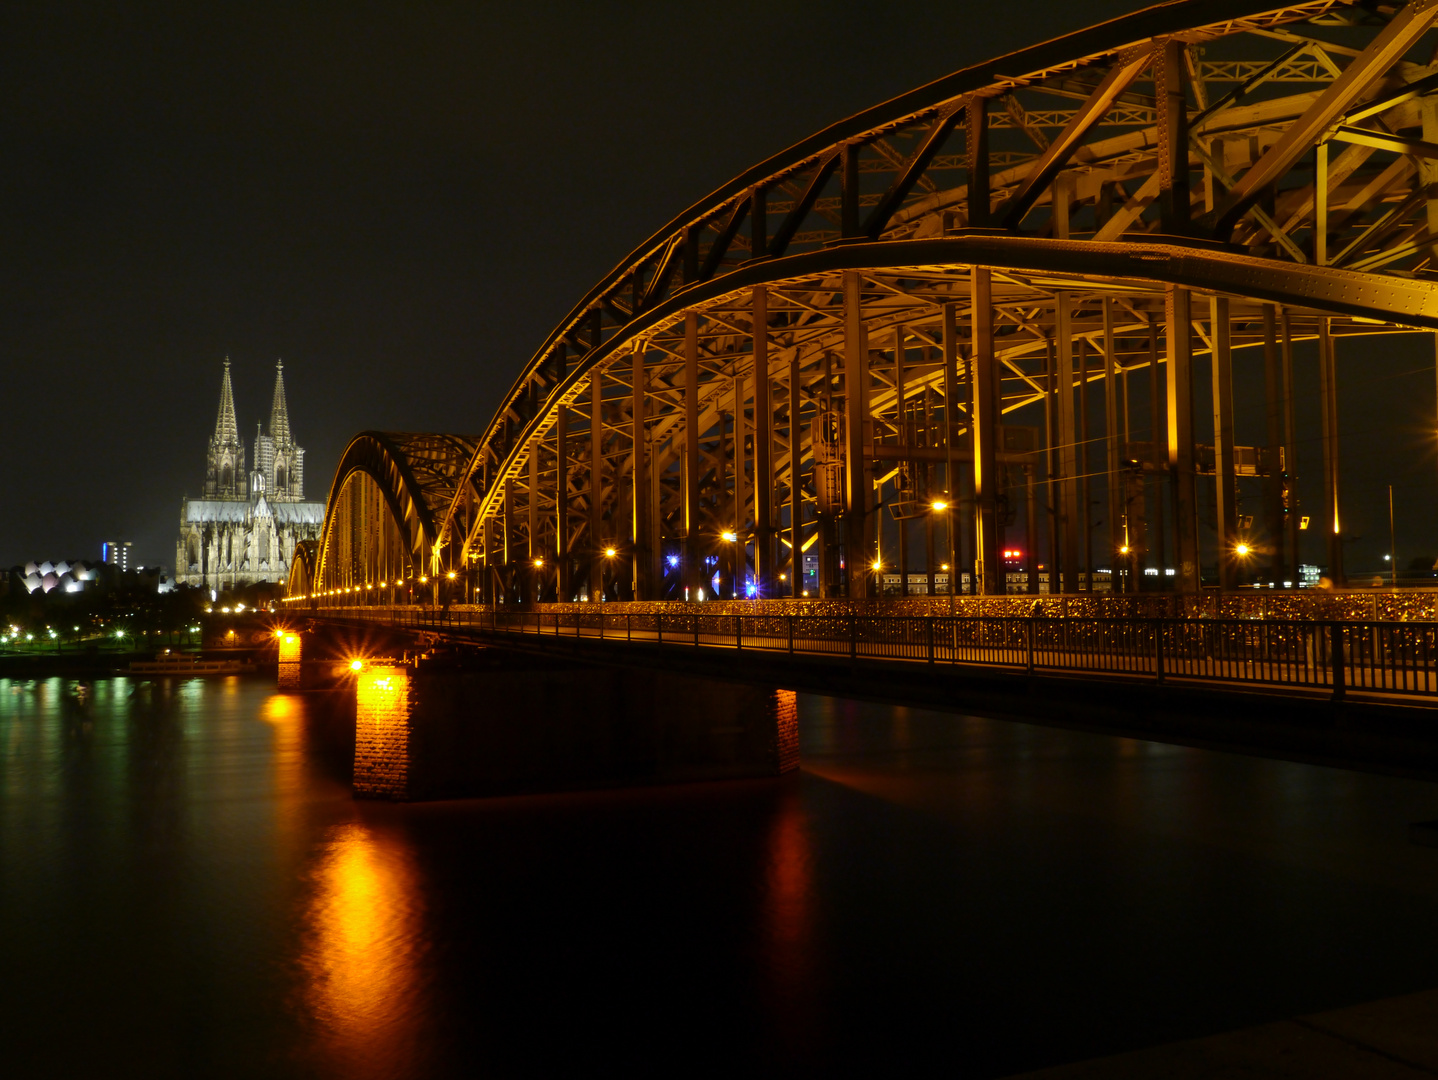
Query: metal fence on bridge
[(1399, 658)]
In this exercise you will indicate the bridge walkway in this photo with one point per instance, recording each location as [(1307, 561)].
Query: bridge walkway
[(1384, 661)]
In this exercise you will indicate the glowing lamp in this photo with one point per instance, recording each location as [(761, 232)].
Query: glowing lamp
[(1241, 550), (538, 562), (877, 565), (609, 553), (356, 665), (728, 536), (939, 504)]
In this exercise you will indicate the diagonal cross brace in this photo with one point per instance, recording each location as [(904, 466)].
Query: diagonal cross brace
[(1385, 50), (1126, 68)]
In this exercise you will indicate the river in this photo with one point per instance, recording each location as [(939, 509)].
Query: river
[(187, 889)]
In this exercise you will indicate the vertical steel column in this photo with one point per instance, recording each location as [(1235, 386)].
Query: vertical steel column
[(737, 556), (693, 577), (1159, 450), (1085, 461), (968, 542), (1117, 509), (988, 561), (596, 492), (1173, 195), (1290, 432), (1051, 465), (901, 424), (977, 154), (507, 563), (1068, 443), (856, 408), (950, 349), (929, 481), (565, 584), (487, 545), (763, 449), (1328, 408), (796, 494), (1223, 467), (1179, 342), (849, 189), (531, 592), (1320, 205), (1277, 466), (638, 401)]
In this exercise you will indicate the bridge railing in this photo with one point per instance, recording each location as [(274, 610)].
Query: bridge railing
[(1332, 656)]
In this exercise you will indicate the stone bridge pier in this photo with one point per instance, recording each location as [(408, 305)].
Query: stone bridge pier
[(509, 724)]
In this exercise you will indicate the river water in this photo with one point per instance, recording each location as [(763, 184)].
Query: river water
[(187, 889)]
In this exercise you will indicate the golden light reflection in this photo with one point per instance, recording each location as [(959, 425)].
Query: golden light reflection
[(789, 909), (285, 715), (364, 951)]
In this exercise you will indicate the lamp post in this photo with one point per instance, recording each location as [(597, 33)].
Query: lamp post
[(729, 536)]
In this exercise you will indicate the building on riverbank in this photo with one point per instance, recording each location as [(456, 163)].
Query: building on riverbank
[(245, 528)]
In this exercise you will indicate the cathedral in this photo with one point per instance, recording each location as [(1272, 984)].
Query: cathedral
[(249, 522)]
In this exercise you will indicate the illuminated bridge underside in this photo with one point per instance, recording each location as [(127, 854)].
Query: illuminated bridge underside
[(947, 317)]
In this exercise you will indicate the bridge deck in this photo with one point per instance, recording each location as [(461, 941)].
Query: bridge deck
[(1394, 660)]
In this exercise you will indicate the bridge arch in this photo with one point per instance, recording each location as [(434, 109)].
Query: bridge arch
[(302, 569), (380, 540), (978, 305)]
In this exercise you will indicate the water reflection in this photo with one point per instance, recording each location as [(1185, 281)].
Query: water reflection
[(189, 890), (789, 916), (364, 951)]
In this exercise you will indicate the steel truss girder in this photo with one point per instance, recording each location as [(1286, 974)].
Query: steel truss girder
[(1081, 265), (889, 140), (418, 475)]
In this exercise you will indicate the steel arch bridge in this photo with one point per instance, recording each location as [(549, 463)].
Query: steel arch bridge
[(932, 330)]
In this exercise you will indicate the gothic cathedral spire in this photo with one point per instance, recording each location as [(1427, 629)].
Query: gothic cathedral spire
[(279, 413), (227, 429), (225, 476)]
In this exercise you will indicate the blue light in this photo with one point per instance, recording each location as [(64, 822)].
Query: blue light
[(751, 590), (673, 560)]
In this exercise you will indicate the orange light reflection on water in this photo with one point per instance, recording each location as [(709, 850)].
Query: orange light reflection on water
[(789, 914), (363, 951)]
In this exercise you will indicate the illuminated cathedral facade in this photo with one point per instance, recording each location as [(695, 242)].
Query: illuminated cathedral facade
[(246, 527)]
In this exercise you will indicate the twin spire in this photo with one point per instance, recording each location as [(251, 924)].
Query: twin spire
[(227, 428)]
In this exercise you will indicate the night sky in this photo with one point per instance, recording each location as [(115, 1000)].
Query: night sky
[(399, 200)]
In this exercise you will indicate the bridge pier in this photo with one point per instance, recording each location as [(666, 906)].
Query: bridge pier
[(291, 655), (523, 725)]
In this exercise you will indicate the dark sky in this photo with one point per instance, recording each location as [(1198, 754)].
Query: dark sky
[(399, 200)]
